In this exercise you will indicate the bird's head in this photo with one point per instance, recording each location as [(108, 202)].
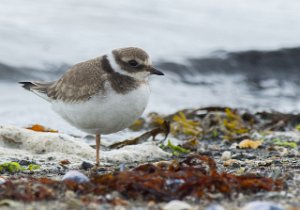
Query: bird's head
[(132, 61)]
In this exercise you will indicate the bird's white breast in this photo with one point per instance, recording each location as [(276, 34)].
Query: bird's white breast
[(105, 114)]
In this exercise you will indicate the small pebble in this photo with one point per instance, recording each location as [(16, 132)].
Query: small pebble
[(232, 163), (122, 167), (119, 207), (233, 146), (262, 205), (249, 144), (177, 205), (2, 180), (282, 151), (86, 165), (64, 162), (70, 194), (10, 204), (226, 155), (214, 207), (25, 162), (50, 158), (174, 182), (294, 152), (75, 176)]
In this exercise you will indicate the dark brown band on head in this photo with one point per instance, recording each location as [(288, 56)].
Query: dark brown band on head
[(124, 65)]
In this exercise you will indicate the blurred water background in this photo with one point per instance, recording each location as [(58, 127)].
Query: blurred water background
[(214, 52)]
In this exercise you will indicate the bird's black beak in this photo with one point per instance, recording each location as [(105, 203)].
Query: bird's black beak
[(153, 70)]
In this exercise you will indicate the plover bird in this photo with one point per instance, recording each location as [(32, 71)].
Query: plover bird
[(103, 95)]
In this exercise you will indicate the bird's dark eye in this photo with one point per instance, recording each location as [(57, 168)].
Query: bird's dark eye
[(133, 63)]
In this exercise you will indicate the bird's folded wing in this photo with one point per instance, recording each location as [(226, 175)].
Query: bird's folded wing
[(79, 83)]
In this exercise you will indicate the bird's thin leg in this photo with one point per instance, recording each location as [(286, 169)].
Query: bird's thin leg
[(98, 139)]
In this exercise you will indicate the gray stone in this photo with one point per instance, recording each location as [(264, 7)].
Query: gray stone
[(75, 176), (214, 207), (262, 205)]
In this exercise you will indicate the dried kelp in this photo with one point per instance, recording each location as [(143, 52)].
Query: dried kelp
[(30, 189), (222, 123), (195, 176), (163, 128), (182, 125)]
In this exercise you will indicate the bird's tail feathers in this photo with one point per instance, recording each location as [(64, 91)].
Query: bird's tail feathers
[(39, 88), (27, 85)]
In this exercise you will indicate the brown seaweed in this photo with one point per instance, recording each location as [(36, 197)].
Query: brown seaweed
[(196, 175)]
